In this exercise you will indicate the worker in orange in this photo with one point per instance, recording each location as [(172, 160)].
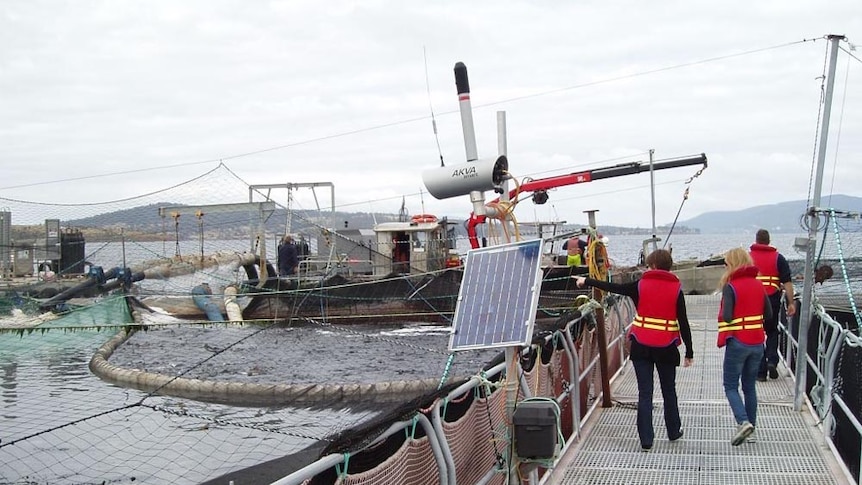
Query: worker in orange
[(774, 274)]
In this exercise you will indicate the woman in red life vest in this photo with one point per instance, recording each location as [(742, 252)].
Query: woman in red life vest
[(744, 306), (659, 326)]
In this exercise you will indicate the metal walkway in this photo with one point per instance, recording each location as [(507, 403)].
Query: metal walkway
[(789, 449)]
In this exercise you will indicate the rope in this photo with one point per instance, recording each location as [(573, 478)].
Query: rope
[(598, 261), (843, 263), (684, 198)]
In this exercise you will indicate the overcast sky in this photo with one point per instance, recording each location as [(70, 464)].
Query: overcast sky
[(343, 92)]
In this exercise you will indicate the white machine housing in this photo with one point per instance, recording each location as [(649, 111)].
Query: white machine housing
[(455, 180)]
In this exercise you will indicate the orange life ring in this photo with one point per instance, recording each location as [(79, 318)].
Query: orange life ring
[(424, 218)]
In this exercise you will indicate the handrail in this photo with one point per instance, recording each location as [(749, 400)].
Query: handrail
[(833, 337), (434, 428)]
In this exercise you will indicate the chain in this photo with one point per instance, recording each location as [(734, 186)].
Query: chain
[(696, 175)]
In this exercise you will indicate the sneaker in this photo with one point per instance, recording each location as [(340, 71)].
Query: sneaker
[(761, 378), (646, 447), (742, 432), (752, 438), (773, 372), (678, 436)]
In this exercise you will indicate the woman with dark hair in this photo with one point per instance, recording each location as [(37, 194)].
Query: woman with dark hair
[(659, 327)]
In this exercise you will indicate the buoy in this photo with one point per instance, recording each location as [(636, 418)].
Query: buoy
[(424, 218)]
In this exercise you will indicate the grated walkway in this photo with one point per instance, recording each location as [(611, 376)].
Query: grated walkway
[(789, 450)]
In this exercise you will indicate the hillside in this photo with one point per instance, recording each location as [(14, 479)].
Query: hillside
[(780, 217), (144, 223)]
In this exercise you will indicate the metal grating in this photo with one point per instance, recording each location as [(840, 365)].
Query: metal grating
[(498, 297), (789, 449)]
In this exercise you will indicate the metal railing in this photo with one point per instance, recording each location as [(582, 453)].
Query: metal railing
[(431, 420), (825, 365)]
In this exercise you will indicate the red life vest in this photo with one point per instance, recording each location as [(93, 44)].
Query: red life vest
[(765, 257), (655, 323), (747, 323)]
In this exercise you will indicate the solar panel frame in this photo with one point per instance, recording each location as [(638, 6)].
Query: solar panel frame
[(498, 297)]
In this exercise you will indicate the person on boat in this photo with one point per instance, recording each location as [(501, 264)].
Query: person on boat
[(775, 275), (576, 249), (302, 248), (660, 325), (744, 308), (287, 257)]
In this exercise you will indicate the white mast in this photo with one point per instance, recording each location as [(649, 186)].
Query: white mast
[(813, 222)]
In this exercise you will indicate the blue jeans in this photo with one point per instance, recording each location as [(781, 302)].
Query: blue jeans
[(741, 362), (667, 380)]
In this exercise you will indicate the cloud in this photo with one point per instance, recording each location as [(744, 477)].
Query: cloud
[(293, 91)]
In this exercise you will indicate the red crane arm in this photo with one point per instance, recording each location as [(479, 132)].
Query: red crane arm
[(579, 178)]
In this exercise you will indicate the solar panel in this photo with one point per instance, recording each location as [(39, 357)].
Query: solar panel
[(498, 297)]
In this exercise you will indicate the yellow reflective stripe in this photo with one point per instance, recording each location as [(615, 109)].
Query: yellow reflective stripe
[(772, 281), (729, 327), (668, 328), (661, 321), (656, 323), (753, 318)]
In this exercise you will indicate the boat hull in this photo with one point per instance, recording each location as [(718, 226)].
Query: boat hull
[(398, 298)]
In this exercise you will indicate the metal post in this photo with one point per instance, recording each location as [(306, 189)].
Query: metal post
[(477, 197), (813, 222), (600, 329), (511, 390), (502, 149), (652, 197)]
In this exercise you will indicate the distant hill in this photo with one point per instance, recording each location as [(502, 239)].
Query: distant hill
[(144, 221), (138, 222), (781, 217)]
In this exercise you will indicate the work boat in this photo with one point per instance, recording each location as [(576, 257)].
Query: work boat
[(524, 417), (409, 269)]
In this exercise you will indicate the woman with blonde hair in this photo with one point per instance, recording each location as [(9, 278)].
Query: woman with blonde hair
[(744, 306)]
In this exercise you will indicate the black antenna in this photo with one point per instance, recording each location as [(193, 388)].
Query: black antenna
[(431, 107), (402, 214)]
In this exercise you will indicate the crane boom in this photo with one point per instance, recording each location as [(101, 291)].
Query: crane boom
[(547, 183)]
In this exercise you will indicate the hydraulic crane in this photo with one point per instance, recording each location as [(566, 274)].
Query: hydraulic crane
[(539, 187)]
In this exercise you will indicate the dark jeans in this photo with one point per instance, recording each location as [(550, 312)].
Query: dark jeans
[(770, 353), (667, 380)]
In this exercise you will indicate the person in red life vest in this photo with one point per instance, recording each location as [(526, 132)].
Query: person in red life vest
[(774, 275), (744, 307), (659, 326)]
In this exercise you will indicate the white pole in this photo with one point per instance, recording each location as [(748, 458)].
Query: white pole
[(813, 222), (652, 196), (477, 197)]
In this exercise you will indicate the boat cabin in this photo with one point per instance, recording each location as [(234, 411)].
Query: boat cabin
[(418, 246)]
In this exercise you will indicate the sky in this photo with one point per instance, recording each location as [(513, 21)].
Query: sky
[(103, 100)]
